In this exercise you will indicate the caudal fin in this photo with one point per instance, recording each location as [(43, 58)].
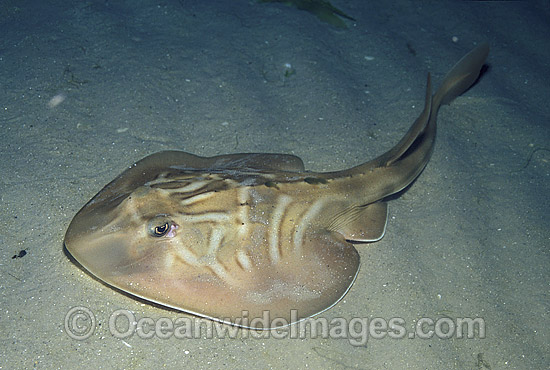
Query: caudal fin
[(464, 73)]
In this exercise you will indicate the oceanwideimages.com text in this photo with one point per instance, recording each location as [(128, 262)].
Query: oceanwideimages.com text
[(81, 323)]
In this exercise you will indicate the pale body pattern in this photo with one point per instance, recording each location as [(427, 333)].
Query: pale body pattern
[(235, 236)]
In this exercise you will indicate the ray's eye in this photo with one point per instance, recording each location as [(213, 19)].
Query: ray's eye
[(161, 230), (159, 226)]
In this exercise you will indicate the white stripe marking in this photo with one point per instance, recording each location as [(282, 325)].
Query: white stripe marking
[(243, 259), (215, 240), (196, 198), (282, 202), (194, 185), (304, 223), (207, 217)]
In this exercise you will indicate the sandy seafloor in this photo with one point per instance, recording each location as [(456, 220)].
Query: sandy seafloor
[(469, 238)]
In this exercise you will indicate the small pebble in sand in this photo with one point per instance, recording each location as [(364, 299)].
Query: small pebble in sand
[(288, 70), (56, 100)]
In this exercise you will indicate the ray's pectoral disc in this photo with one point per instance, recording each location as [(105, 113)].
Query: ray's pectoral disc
[(216, 241), (238, 237)]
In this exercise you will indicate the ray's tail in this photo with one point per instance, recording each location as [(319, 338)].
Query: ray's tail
[(398, 167)]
